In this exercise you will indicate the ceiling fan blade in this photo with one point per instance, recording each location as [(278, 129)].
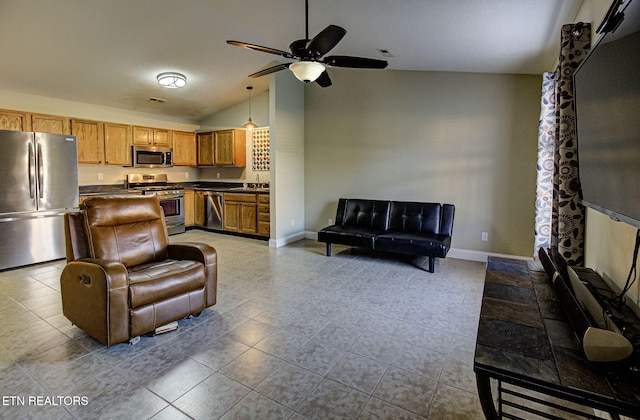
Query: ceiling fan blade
[(355, 62), (325, 41), (324, 80), (260, 48), (270, 70)]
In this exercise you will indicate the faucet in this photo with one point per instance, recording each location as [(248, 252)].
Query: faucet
[(258, 180)]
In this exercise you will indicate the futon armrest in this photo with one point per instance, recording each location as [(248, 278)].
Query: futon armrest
[(95, 297)]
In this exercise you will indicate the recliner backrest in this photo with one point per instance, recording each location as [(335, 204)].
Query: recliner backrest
[(128, 229)]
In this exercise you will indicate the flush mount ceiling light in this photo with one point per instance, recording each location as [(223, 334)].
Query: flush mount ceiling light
[(250, 123), (172, 80), (307, 71)]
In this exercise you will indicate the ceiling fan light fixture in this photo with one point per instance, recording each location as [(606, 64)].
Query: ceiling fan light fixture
[(172, 80), (307, 71)]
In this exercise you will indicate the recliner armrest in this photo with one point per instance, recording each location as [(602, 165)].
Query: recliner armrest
[(207, 255), (95, 297)]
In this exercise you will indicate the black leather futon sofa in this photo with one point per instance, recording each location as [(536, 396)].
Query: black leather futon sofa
[(413, 228)]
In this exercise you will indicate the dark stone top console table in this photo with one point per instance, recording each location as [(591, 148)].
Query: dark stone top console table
[(525, 340)]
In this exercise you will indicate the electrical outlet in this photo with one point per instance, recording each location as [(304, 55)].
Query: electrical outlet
[(293, 222), (186, 175), (217, 174), (330, 221), (485, 236), (100, 176)]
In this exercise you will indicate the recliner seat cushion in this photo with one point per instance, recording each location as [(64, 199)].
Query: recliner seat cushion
[(157, 281)]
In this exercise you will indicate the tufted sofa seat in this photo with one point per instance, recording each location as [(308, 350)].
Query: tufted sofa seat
[(123, 278), (413, 228)]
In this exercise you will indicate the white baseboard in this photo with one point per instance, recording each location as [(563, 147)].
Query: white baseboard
[(278, 242), (465, 254), (461, 254)]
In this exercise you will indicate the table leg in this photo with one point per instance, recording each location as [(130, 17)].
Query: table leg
[(486, 398)]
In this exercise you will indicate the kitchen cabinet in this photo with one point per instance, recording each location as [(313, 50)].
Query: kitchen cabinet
[(189, 208), (205, 149), (230, 147), (90, 138), (222, 148), (149, 136), (241, 213), (264, 215), (194, 203), (184, 149), (14, 120), (198, 208), (52, 124), (117, 144)]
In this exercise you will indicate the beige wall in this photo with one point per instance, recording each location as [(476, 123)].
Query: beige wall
[(460, 138)]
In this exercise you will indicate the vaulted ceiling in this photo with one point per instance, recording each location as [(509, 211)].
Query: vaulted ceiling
[(109, 52)]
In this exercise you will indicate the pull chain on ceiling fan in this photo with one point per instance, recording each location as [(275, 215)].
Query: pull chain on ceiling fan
[(310, 65)]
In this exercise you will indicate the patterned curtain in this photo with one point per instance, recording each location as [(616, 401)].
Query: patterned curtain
[(567, 224), (546, 152)]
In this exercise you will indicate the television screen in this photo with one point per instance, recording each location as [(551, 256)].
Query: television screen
[(607, 100)]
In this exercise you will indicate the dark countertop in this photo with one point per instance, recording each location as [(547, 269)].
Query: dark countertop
[(196, 186)]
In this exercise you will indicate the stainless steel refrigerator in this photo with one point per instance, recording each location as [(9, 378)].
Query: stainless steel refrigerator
[(38, 184)]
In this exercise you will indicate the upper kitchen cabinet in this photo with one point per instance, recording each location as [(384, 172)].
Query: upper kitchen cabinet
[(117, 144), (222, 148), (14, 120), (90, 138), (184, 148), (147, 136), (52, 124), (205, 149), (230, 147)]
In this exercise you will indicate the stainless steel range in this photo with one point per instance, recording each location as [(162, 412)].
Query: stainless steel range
[(171, 198)]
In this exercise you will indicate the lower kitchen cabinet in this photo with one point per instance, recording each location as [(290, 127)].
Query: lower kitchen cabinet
[(189, 208), (241, 213), (264, 215), (198, 206)]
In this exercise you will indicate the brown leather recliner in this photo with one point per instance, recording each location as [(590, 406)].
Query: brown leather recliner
[(123, 278)]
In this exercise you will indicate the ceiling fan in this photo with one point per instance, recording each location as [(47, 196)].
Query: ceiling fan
[(311, 64)]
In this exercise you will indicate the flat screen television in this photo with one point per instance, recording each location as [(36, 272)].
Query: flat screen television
[(607, 101)]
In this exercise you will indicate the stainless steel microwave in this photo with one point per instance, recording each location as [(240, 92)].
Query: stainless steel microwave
[(152, 157)]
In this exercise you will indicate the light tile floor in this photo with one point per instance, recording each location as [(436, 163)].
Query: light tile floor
[(294, 335)]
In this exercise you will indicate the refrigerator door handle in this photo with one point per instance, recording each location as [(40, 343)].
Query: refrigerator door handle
[(32, 172), (40, 171)]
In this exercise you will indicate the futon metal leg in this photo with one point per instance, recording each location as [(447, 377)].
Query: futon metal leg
[(328, 249), (432, 264)]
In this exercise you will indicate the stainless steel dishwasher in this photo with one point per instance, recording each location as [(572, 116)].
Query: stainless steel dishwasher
[(214, 210)]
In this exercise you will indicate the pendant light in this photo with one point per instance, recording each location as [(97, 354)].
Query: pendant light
[(250, 123)]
